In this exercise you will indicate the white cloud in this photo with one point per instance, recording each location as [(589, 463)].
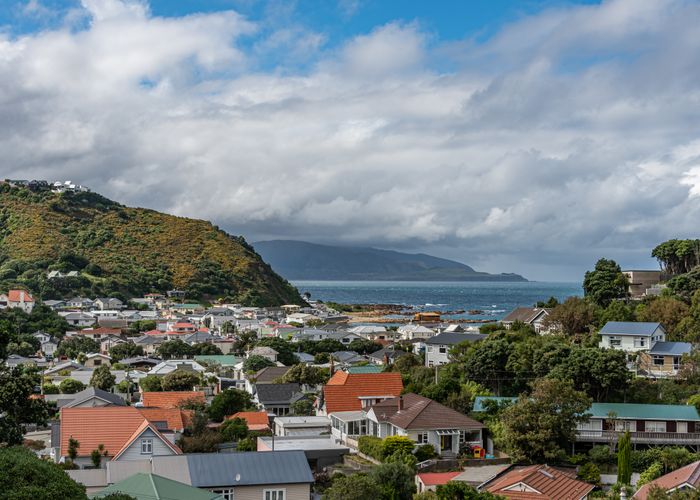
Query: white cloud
[(570, 135)]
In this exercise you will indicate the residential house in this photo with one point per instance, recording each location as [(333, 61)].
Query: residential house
[(170, 399), (168, 420), (79, 303), (304, 358), (79, 319), (17, 299), (225, 361), (90, 398), (278, 398), (123, 431), (473, 476), (41, 336), (640, 281), (364, 369), (255, 420), (354, 392), (199, 337), (386, 355), (147, 486), (96, 334), (538, 482), (265, 352), (320, 451), (274, 475), (663, 359), (685, 479), (110, 341), (107, 303), (421, 419), (302, 426), (49, 348), (531, 316), (429, 481), (165, 367), (630, 336), (437, 348), (414, 331), (149, 342), (140, 362), (347, 358), (96, 359)]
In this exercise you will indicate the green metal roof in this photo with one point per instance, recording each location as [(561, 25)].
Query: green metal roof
[(222, 359), (365, 369), (153, 487), (644, 412)]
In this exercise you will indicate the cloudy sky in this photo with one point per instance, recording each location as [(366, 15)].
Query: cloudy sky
[(530, 136)]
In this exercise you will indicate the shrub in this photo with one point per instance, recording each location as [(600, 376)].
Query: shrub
[(590, 473), (71, 386), (394, 444), (652, 472), (50, 389), (425, 452), (371, 446)]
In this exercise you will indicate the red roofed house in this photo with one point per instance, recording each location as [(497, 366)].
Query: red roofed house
[(168, 419), (538, 481), (123, 431), (429, 481), (684, 479), (355, 391), (256, 420), (170, 399), (20, 299)]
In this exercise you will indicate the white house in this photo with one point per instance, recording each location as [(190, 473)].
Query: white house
[(415, 331), (20, 299), (437, 348), (631, 336)]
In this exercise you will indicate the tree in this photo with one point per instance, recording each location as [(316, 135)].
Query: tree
[(73, 346), (180, 380), (487, 363), (285, 353), (247, 444), (665, 310), (25, 476), (174, 349), (73, 446), (97, 454), (538, 427), (234, 429), (227, 403), (102, 378), (573, 316), (305, 375), (599, 372), (125, 350), (617, 310), (16, 407), (624, 459), (355, 487), (688, 328), (395, 479), (255, 363), (303, 407), (458, 490), (206, 349), (363, 346), (590, 473), (151, 383), (605, 283), (70, 386), (396, 444)]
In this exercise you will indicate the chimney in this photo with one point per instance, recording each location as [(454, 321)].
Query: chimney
[(400, 403), (21, 296)]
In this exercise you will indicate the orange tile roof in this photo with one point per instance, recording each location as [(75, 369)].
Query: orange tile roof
[(170, 399), (436, 478), (110, 426), (551, 483), (14, 296), (256, 420), (343, 390), (153, 332), (146, 425), (175, 418)]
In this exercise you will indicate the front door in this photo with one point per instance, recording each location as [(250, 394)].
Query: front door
[(446, 443)]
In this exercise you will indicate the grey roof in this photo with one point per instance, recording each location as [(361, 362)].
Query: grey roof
[(671, 348), (269, 374), (453, 338), (140, 359), (276, 393), (209, 470), (150, 339), (525, 314), (348, 357), (304, 357), (388, 351), (200, 337), (89, 393), (630, 328)]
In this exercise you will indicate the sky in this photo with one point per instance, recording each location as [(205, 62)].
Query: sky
[(515, 136)]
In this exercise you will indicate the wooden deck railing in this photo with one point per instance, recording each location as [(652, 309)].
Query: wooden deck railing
[(641, 437)]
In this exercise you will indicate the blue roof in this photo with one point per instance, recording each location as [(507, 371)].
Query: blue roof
[(209, 470), (630, 328), (671, 348)]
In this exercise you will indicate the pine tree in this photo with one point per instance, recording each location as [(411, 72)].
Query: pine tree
[(624, 459)]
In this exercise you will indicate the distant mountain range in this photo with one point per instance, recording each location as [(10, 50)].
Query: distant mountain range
[(300, 260)]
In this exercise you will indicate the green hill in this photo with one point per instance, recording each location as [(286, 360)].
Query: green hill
[(125, 252)]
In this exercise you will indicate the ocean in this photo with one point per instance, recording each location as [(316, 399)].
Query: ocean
[(493, 299)]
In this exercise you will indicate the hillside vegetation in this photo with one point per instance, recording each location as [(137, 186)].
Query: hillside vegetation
[(125, 251)]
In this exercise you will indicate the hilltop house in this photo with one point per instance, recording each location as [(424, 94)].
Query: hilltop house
[(663, 359), (532, 316), (20, 299), (630, 336)]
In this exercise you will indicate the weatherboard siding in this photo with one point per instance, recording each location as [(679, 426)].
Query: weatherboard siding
[(133, 452), (293, 491)]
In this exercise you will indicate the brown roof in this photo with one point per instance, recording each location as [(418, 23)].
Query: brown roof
[(538, 481), (689, 474), (524, 314), (170, 399), (344, 390), (270, 373), (422, 413)]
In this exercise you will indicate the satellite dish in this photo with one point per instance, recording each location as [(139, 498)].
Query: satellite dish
[(238, 477)]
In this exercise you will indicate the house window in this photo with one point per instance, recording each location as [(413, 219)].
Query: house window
[(97, 362), (273, 494), (146, 446), (430, 348), (676, 362), (654, 426), (682, 427), (623, 425), (640, 342), (615, 341), (443, 349), (422, 438), (225, 494), (658, 360), (461, 437)]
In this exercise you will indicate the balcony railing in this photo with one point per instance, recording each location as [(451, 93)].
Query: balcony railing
[(641, 437)]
